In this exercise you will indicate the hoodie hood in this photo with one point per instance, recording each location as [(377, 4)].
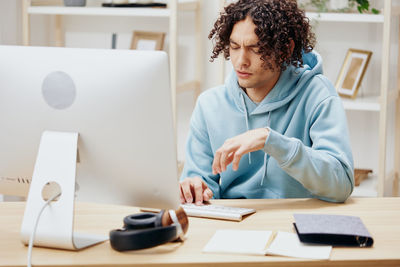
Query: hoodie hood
[(290, 82)]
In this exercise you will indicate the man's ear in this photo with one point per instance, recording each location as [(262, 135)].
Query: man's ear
[(291, 46)]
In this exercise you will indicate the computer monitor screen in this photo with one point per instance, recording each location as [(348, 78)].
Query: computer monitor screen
[(119, 101)]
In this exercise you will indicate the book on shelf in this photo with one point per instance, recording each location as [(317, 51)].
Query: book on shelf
[(152, 4)]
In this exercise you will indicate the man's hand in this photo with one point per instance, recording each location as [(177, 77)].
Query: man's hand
[(234, 148), (194, 189)]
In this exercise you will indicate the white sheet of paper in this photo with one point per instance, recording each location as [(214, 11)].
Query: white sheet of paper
[(146, 45), (288, 244), (252, 242), (238, 241)]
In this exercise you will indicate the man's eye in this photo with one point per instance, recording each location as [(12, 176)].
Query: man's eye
[(255, 50), (234, 47)]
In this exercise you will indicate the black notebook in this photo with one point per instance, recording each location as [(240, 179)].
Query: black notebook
[(335, 230)]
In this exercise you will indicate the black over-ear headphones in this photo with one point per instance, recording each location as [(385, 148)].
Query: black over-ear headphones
[(146, 230)]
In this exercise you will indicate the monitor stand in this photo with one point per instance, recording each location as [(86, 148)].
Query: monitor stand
[(55, 164)]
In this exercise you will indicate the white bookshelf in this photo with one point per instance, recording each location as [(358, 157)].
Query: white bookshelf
[(99, 11), (376, 184), (379, 103), (183, 5), (363, 103)]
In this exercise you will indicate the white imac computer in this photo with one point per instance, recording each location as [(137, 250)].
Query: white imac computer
[(108, 110)]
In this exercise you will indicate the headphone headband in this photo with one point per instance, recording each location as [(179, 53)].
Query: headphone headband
[(146, 230)]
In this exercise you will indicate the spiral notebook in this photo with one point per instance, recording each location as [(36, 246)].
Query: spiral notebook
[(335, 230)]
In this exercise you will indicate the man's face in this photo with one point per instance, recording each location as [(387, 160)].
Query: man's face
[(247, 61)]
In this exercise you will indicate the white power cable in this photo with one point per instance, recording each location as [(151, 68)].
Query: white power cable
[(33, 233)]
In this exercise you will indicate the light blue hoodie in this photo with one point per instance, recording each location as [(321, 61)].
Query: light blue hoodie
[(307, 153)]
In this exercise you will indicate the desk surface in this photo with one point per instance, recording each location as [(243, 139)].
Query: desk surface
[(380, 215)]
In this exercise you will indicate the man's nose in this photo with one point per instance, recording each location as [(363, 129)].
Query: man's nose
[(243, 60)]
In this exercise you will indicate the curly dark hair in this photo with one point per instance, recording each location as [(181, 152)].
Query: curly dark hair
[(277, 22)]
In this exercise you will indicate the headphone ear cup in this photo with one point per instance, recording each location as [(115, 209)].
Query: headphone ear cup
[(122, 240), (143, 220)]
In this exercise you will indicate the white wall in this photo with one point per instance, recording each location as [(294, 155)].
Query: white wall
[(10, 34), (10, 22)]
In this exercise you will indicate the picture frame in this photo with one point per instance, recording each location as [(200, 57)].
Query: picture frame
[(352, 72), (142, 40)]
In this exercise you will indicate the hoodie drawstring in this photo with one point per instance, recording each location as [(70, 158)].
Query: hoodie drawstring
[(266, 156), (246, 115)]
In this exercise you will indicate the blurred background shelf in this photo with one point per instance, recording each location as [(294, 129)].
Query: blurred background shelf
[(345, 17), (367, 188), (97, 10), (368, 103)]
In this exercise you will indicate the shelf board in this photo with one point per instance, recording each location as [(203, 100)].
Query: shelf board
[(345, 17), (366, 103), (367, 188), (184, 5), (99, 11)]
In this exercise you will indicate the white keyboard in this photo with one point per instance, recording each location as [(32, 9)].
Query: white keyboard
[(216, 211)]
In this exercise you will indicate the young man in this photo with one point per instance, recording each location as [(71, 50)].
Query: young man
[(277, 128)]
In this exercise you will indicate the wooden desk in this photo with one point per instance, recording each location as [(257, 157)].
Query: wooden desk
[(380, 215)]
